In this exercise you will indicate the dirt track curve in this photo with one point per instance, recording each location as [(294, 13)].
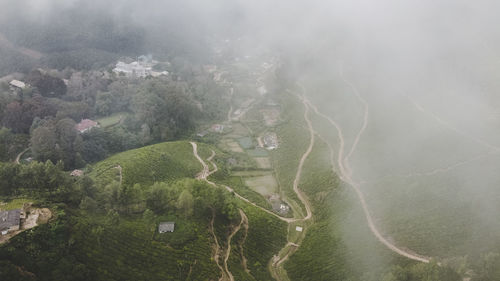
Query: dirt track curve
[(346, 177)]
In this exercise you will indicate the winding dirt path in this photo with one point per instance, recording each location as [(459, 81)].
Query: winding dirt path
[(451, 127), (346, 177), (228, 251), (365, 120), (18, 157), (277, 271), (277, 262), (242, 242), (431, 172), (204, 174), (216, 247)]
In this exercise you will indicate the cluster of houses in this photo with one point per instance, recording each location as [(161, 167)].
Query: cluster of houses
[(270, 141), (141, 68)]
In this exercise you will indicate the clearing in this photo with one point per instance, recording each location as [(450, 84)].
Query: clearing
[(265, 185)]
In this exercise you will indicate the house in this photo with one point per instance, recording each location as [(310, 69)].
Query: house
[(85, 125), (299, 228), (10, 221), (16, 84), (218, 128), (76, 173), (134, 69), (166, 227)]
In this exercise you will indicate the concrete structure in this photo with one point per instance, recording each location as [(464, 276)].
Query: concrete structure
[(17, 84), (134, 69), (166, 227), (10, 221), (86, 125)]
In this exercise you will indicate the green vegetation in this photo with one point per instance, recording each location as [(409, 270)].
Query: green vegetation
[(293, 138), (265, 185), (17, 203), (112, 119), (160, 162)]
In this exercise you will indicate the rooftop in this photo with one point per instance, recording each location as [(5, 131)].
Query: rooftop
[(166, 227), (85, 125), (9, 219), (18, 84)]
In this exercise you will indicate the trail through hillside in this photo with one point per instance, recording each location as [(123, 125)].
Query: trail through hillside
[(365, 119), (203, 175), (228, 250), (216, 248), (18, 157), (453, 128), (276, 263), (346, 177)]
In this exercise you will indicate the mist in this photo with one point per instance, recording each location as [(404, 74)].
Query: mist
[(427, 74)]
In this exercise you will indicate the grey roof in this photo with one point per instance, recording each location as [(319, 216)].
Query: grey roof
[(9, 219), (166, 227)]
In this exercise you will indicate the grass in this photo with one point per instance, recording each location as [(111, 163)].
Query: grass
[(258, 152), (266, 185), (246, 142), (112, 119), (14, 204), (160, 162)]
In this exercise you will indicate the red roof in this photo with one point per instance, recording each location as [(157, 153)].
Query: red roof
[(85, 124)]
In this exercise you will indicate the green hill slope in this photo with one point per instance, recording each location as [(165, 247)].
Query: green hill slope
[(163, 162)]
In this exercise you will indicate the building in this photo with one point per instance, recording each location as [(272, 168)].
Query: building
[(85, 125), (299, 228), (134, 69), (16, 84), (166, 227), (10, 221), (218, 128)]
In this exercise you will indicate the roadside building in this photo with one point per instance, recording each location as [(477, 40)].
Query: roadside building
[(166, 227), (10, 221)]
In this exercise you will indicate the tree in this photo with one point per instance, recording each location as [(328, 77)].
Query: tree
[(113, 218), (185, 203), (157, 197), (150, 219), (43, 144)]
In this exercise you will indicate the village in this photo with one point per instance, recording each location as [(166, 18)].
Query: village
[(248, 131)]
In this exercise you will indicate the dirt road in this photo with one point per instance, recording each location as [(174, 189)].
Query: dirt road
[(346, 177), (228, 251), (18, 157)]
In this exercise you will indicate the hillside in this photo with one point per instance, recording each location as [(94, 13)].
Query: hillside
[(163, 162)]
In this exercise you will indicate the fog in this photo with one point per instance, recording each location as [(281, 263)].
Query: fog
[(428, 71)]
